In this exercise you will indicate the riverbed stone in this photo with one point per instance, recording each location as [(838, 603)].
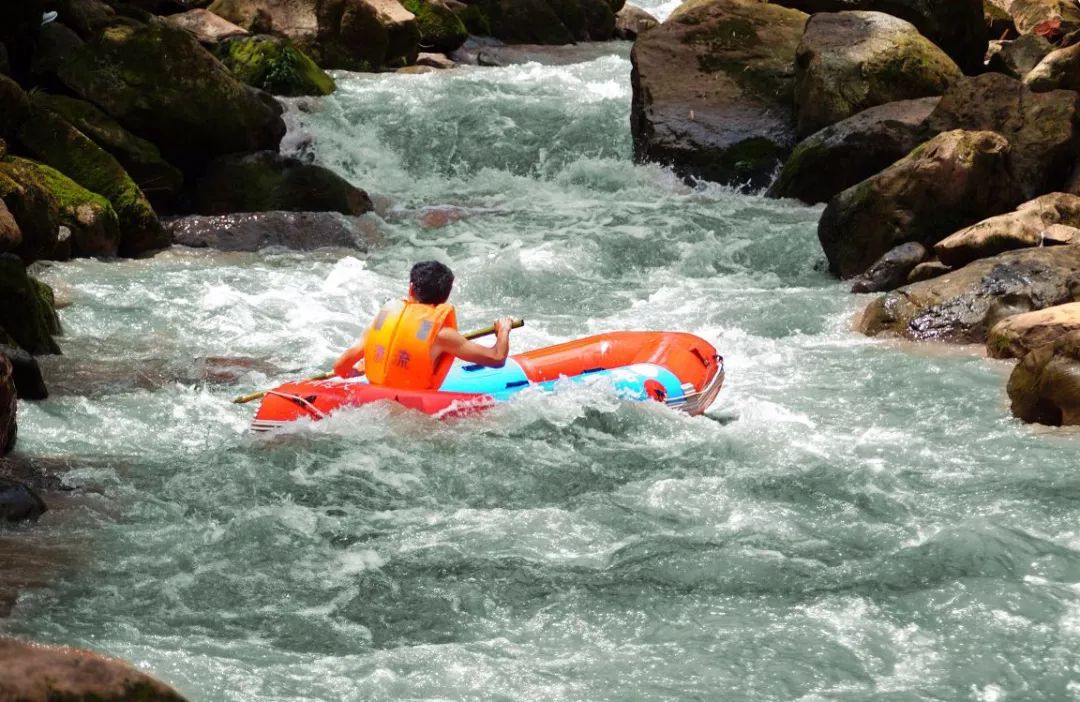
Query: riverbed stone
[(251, 231), (1018, 57), (631, 21), (1041, 127), (713, 90), (1044, 387), (25, 371), (957, 26), (962, 305), (953, 180), (205, 26), (275, 65), (27, 312), (275, 182), (38, 672), (1027, 226), (891, 270), (1058, 69), (854, 149), (57, 143), (847, 62), (196, 111), (1018, 335)]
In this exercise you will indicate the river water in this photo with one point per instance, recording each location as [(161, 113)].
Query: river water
[(853, 519)]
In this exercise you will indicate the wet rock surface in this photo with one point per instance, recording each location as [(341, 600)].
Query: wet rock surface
[(891, 270), (257, 230)]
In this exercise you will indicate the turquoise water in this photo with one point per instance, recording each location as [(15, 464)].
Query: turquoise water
[(853, 519)]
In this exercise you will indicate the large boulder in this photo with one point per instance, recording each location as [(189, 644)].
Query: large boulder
[(1052, 19), (207, 27), (632, 21), (843, 154), (27, 310), (962, 305), (957, 26), (196, 110), (358, 35), (1018, 57), (275, 65), (35, 209), (251, 231), (266, 181), (1045, 386), (1019, 334), (1058, 69), (1026, 226), (441, 30), (94, 226), (849, 61), (14, 107), (952, 180), (713, 90), (1041, 127), (8, 405), (37, 672), (57, 143), (25, 371), (526, 21), (158, 180)]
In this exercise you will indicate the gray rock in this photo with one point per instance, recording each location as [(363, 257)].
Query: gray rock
[(1017, 58), (19, 503), (632, 21), (256, 230), (891, 270), (26, 373)]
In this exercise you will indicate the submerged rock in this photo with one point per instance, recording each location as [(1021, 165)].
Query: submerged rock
[(257, 230), (891, 270), (1045, 386), (713, 90), (266, 181), (952, 180), (59, 144), (1027, 226), (1016, 336), (852, 150), (847, 62), (196, 111), (956, 26), (632, 21), (37, 672), (273, 64), (963, 304), (1040, 127)]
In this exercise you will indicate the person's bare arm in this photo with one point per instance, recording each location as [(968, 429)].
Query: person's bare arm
[(452, 342), (345, 366)]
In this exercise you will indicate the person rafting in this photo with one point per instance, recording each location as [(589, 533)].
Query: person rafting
[(412, 343)]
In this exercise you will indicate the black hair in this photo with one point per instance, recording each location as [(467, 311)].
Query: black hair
[(431, 282)]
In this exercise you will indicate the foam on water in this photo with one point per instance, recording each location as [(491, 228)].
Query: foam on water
[(853, 519)]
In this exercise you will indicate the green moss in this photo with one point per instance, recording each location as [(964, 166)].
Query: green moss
[(274, 65), (65, 148), (440, 29)]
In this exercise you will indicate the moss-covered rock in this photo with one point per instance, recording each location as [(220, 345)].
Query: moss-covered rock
[(35, 209), (267, 181), (275, 65), (160, 83), (27, 311), (440, 29), (159, 180), (94, 226), (955, 179), (14, 107), (59, 144), (850, 61), (713, 90)]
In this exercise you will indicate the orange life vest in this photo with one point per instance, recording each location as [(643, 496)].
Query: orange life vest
[(397, 349)]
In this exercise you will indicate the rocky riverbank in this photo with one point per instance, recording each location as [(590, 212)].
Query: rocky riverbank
[(942, 136)]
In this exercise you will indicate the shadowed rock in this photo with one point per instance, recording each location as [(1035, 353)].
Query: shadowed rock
[(713, 90), (952, 180), (632, 21), (8, 405), (25, 372), (963, 304), (849, 61), (1018, 57), (26, 308), (19, 503), (1045, 386)]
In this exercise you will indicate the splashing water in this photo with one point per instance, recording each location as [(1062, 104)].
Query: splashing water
[(852, 520)]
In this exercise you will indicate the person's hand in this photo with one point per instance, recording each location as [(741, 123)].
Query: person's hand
[(503, 326)]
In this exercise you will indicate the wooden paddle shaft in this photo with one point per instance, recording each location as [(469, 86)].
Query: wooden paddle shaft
[(479, 333)]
